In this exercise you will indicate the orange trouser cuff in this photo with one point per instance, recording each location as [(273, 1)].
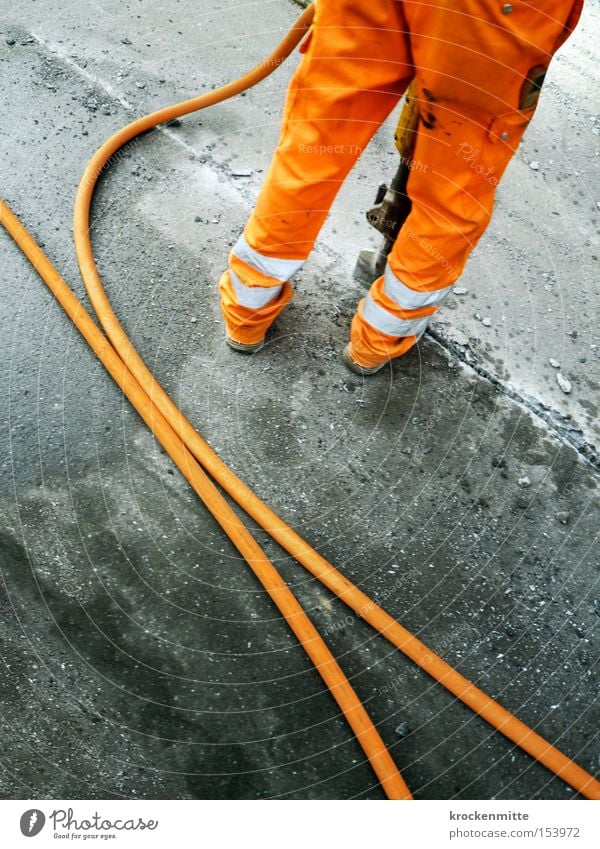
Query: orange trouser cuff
[(477, 69), (249, 325), (370, 347)]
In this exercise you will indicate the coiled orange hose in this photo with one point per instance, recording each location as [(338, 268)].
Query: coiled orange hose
[(137, 380)]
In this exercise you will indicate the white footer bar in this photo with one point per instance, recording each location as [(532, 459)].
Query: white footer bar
[(300, 824)]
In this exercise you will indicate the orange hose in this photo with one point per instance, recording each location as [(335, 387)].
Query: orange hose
[(286, 602), (476, 699)]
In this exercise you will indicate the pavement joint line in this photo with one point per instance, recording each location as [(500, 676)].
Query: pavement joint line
[(107, 88), (567, 435)]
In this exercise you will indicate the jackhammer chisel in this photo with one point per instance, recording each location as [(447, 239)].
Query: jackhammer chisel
[(392, 204)]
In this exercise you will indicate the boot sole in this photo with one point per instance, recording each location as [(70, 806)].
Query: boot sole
[(244, 348), (364, 371)]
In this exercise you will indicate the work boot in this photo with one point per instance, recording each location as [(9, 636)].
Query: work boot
[(245, 347), (350, 363)]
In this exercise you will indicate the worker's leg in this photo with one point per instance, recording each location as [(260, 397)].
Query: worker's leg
[(479, 67), (354, 71)]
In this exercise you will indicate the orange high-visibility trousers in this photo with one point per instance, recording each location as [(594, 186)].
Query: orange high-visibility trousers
[(478, 67)]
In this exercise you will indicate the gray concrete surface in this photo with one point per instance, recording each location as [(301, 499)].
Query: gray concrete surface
[(139, 657)]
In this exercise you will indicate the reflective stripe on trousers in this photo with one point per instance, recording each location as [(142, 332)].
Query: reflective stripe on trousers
[(401, 311), (252, 274), (253, 297), (253, 290), (278, 269)]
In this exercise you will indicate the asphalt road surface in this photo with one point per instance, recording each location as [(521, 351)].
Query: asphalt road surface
[(139, 656)]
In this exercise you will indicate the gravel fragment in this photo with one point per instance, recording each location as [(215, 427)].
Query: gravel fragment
[(564, 517), (564, 384), (554, 363), (535, 165), (402, 730), (524, 482), (487, 322), (460, 290)]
